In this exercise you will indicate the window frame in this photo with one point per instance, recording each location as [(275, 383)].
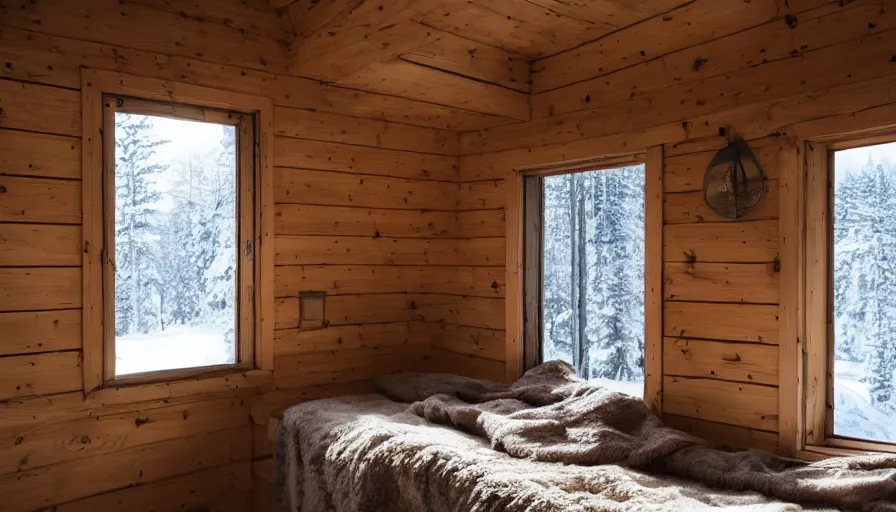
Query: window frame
[(524, 288), (104, 93), (245, 222), (816, 400)]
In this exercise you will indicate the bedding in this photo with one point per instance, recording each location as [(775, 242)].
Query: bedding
[(549, 442)]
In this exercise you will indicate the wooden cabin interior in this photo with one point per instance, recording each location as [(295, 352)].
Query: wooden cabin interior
[(382, 217)]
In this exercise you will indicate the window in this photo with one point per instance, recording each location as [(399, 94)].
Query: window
[(174, 224), (182, 252), (851, 293), (584, 280), (864, 286)]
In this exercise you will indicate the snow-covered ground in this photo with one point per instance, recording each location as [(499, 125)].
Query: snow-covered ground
[(854, 414), (633, 388), (178, 347)]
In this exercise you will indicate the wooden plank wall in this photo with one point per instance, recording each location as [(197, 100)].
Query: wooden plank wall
[(760, 74), (366, 191), (372, 208), (469, 337), (720, 315)]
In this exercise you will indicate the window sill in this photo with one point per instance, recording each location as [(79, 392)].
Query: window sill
[(122, 392), (179, 374), (843, 448)]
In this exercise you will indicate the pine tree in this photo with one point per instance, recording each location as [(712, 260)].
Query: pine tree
[(865, 275), (179, 290), (883, 356), (198, 238), (221, 228), (855, 281), (135, 199), (558, 305), (619, 234)]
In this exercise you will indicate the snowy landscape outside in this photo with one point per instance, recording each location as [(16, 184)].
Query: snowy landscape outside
[(865, 293), (593, 264), (175, 244)]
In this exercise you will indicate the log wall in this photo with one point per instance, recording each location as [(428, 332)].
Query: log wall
[(686, 80), (375, 207), (365, 192)]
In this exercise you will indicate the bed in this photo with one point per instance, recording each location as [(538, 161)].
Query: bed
[(549, 442)]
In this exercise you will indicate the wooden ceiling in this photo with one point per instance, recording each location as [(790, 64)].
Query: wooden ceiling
[(474, 55)]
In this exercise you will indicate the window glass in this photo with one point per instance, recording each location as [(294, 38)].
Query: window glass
[(864, 294), (593, 275), (175, 189)]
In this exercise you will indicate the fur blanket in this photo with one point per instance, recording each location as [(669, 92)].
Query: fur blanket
[(549, 442)]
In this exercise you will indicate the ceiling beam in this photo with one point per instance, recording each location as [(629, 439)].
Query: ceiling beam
[(398, 77), (340, 37), (475, 60)]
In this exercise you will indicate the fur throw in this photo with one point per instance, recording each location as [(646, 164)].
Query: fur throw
[(549, 442)]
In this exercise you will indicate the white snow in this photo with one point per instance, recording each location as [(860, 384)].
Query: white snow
[(633, 388), (175, 348), (855, 415)]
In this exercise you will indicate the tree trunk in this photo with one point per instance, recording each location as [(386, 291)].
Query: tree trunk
[(582, 262), (132, 257), (574, 276)]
